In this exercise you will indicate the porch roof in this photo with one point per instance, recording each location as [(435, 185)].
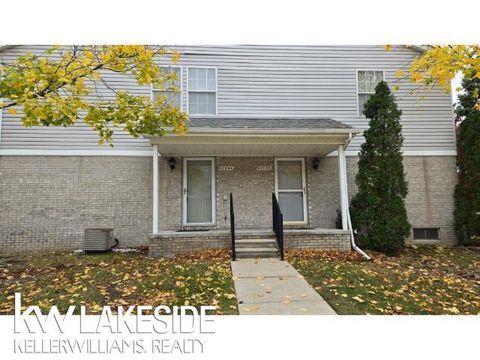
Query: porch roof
[(256, 136), (265, 123)]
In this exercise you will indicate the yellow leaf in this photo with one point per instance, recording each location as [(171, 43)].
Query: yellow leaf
[(12, 111), (399, 73), (359, 299), (453, 310), (175, 56), (387, 47)]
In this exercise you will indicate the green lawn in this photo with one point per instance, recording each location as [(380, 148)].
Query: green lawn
[(64, 278), (427, 280)]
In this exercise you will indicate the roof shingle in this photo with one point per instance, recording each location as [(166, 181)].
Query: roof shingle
[(265, 123)]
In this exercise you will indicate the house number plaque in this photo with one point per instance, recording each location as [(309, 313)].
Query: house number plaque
[(264, 168), (226, 167)]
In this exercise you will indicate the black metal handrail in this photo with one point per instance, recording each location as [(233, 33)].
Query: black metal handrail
[(232, 227), (277, 224)]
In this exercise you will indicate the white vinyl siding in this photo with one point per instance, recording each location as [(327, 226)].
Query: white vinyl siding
[(172, 90), (367, 80), (258, 80), (202, 91)]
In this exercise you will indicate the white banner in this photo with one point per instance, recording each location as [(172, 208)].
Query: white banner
[(277, 337)]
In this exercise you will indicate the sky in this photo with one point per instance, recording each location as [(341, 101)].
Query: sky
[(456, 82)]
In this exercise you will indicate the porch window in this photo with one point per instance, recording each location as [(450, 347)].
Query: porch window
[(366, 82), (172, 87), (202, 91)]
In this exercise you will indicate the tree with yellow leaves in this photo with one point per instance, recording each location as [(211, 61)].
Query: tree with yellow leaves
[(64, 84), (438, 65)]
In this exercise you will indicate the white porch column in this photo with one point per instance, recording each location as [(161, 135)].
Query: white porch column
[(342, 172), (155, 191)]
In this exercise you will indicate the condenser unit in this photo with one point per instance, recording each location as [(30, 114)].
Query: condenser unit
[(99, 240)]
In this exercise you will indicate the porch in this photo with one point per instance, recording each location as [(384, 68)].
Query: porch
[(169, 243), (250, 158)]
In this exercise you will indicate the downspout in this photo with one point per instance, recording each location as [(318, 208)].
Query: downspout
[(349, 220)]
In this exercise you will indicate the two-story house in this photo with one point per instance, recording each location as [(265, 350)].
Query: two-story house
[(285, 120)]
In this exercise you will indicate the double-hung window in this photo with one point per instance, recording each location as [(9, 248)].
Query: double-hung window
[(367, 80), (202, 91), (171, 88)]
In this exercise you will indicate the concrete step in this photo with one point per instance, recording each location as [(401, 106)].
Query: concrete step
[(249, 253), (256, 243), (254, 234)]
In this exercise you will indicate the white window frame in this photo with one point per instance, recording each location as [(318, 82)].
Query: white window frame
[(216, 90), (304, 186), (184, 191), (152, 89), (364, 93)]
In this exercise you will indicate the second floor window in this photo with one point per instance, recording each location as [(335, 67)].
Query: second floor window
[(171, 89), (202, 91), (367, 80)]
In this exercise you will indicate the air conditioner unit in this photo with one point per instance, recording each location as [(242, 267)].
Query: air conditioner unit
[(98, 240)]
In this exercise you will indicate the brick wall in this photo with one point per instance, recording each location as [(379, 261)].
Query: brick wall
[(172, 243), (252, 191), (170, 192), (47, 202), (328, 241), (429, 202)]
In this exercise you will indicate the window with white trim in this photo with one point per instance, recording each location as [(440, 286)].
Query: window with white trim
[(367, 80), (202, 91), (171, 88)]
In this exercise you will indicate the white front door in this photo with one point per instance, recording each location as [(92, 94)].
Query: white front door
[(198, 191), (290, 189)]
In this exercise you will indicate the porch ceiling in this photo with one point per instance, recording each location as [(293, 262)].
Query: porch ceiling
[(256, 137)]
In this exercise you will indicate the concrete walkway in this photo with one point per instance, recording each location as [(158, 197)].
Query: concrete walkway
[(274, 287)]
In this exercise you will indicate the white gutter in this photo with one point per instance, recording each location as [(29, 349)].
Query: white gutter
[(349, 220)]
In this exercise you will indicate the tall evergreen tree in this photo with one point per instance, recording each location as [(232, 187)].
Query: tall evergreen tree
[(378, 209), (467, 191)]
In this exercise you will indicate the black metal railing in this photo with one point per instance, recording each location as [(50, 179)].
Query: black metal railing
[(277, 224), (232, 227)]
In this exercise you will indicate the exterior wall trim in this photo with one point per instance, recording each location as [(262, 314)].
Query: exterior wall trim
[(409, 153), (46, 152), (148, 153)]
